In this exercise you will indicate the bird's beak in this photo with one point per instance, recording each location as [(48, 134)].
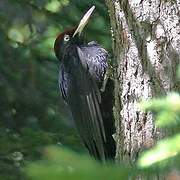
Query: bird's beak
[(84, 21)]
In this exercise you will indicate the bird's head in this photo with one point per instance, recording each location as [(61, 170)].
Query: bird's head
[(71, 36)]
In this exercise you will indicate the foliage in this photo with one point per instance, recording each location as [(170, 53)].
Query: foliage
[(65, 164), (166, 153), (162, 158)]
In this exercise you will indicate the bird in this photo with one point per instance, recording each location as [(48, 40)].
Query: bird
[(82, 70)]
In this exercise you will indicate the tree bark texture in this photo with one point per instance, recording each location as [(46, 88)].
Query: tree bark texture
[(146, 45)]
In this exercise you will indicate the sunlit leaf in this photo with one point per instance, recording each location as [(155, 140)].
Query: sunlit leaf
[(53, 6), (169, 103), (164, 149), (166, 118), (15, 35)]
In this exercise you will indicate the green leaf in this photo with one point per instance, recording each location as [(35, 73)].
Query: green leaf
[(164, 150)]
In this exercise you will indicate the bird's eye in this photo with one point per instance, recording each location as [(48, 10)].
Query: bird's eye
[(66, 37)]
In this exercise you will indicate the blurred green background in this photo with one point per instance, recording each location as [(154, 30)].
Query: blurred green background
[(32, 113)]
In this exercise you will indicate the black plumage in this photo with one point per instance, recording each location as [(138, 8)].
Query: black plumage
[(82, 70)]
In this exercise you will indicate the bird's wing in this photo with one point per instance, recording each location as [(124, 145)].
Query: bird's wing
[(95, 59), (63, 82), (83, 97)]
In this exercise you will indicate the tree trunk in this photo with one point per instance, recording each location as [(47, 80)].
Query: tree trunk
[(146, 45)]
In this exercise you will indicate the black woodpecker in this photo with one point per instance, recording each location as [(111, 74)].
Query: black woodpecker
[(82, 69)]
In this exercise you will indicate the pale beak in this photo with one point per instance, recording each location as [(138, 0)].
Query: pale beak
[(84, 21)]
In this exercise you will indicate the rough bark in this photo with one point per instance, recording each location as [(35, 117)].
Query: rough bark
[(146, 45)]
